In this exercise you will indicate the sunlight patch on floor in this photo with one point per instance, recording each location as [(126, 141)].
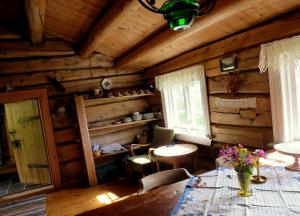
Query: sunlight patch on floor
[(107, 198)]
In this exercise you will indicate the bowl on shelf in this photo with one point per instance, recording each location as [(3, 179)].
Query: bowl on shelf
[(136, 116), (126, 119), (148, 115)]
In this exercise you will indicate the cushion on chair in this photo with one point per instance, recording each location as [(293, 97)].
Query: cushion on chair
[(162, 136), (140, 159)]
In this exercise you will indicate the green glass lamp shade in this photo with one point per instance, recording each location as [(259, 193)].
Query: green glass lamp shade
[(180, 14)]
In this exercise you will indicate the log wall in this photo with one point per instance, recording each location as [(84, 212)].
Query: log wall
[(76, 76), (243, 116)]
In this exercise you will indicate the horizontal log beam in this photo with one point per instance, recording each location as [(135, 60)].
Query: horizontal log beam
[(263, 119), (278, 29), (248, 136), (15, 49), (57, 63), (263, 104), (249, 82)]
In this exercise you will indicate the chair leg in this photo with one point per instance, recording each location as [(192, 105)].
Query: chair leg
[(157, 165)]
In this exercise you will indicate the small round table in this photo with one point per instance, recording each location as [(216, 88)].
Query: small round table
[(291, 149), (176, 154)]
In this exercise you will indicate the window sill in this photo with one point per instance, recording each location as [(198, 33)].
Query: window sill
[(202, 140)]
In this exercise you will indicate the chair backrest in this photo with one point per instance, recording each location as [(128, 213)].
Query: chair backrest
[(166, 177), (162, 136)]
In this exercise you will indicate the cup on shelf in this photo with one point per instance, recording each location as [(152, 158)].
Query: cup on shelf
[(134, 92), (126, 119), (148, 115), (136, 116), (119, 94), (96, 91), (142, 92), (126, 93)]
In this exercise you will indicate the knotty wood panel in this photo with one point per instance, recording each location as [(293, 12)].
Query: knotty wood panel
[(66, 135), (242, 56), (248, 136), (120, 137), (114, 111), (70, 152), (263, 119), (263, 104), (71, 171), (250, 82)]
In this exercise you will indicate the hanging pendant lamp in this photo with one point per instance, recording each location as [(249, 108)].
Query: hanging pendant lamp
[(180, 14)]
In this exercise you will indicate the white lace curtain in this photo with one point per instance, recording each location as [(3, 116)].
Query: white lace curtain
[(184, 77), (281, 59)]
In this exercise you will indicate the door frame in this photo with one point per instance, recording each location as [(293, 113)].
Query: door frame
[(42, 97)]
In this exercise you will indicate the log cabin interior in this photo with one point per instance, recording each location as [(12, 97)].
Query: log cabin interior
[(108, 107)]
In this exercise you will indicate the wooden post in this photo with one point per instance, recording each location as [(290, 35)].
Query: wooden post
[(86, 144), (35, 12)]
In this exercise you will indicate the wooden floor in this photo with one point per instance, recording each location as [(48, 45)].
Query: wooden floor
[(78, 200)]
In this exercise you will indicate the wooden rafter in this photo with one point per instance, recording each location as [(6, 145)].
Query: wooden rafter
[(106, 24), (35, 13)]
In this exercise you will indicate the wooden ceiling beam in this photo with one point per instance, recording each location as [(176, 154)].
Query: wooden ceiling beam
[(17, 49), (116, 14), (35, 12), (146, 55)]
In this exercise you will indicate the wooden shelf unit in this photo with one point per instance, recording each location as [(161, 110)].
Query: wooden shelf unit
[(106, 111)]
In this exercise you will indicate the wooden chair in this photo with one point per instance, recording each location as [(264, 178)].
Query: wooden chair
[(166, 177), (144, 163)]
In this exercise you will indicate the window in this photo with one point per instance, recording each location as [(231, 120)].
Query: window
[(185, 104)]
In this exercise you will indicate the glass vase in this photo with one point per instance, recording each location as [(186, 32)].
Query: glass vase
[(245, 183)]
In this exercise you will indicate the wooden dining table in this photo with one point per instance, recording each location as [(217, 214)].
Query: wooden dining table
[(158, 202)]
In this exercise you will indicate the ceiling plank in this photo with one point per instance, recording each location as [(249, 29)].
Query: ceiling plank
[(106, 24), (226, 18), (35, 13), (17, 49), (277, 29)]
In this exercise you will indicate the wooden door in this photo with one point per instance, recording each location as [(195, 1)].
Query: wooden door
[(26, 135)]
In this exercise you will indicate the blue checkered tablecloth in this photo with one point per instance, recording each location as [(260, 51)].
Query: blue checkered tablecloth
[(217, 195)]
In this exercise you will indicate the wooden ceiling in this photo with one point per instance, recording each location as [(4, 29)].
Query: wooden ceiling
[(123, 29)]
